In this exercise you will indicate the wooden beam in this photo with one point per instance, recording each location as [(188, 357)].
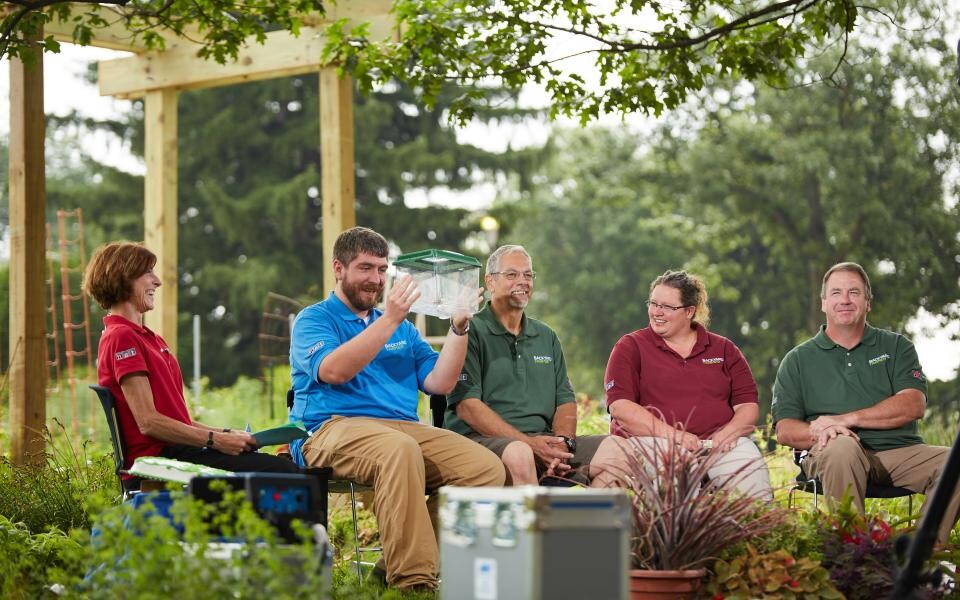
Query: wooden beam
[(28, 368), (160, 207), (281, 55), (115, 35), (338, 189)]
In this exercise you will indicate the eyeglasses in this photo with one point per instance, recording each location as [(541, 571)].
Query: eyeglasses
[(652, 304), (512, 275)]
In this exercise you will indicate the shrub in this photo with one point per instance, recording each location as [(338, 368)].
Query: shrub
[(53, 491), (29, 560)]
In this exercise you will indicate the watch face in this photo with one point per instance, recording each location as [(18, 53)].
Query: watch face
[(571, 444)]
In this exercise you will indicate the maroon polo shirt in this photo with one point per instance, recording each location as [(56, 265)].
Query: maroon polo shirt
[(699, 391), (126, 348)]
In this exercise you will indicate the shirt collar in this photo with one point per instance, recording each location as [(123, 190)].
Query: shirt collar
[(487, 316), (823, 340), (703, 340), (343, 311), (118, 321)]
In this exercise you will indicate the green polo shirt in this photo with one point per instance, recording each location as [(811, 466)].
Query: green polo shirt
[(819, 377), (523, 378)]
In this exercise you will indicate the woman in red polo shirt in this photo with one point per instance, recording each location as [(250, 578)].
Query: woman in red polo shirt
[(675, 380), (144, 376)]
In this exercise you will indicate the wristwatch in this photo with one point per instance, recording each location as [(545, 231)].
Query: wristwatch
[(571, 444)]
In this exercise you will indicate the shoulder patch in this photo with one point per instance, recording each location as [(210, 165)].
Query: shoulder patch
[(129, 352), (610, 384), (314, 348)]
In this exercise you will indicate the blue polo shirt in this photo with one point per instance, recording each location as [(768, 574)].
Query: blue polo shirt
[(387, 388)]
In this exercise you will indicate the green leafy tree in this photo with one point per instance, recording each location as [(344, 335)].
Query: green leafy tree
[(643, 56)]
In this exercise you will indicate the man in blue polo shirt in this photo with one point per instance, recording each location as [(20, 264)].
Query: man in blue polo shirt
[(852, 396), (356, 374)]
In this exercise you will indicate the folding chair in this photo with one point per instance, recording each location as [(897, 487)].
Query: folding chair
[(805, 483), (438, 407), (346, 486), (131, 485)]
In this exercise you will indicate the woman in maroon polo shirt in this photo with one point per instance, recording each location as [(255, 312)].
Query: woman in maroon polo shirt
[(675, 380), (144, 376)]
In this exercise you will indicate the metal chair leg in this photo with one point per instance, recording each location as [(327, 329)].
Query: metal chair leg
[(356, 533)]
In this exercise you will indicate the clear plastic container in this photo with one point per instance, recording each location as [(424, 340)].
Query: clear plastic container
[(448, 281)]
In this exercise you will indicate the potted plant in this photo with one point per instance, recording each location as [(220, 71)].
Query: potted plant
[(682, 520)]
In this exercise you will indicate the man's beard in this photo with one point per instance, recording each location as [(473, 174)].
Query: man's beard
[(355, 293)]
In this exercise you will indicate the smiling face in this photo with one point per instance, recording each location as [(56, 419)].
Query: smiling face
[(508, 294), (665, 322), (845, 302), (362, 280), (142, 291)]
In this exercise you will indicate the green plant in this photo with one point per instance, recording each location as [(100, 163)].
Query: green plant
[(770, 576), (52, 492), (136, 552), (680, 522), (28, 560)]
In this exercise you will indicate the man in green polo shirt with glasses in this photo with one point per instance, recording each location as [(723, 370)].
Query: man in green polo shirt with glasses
[(514, 396), (852, 395)]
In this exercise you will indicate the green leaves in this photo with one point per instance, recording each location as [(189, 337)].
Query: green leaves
[(646, 57)]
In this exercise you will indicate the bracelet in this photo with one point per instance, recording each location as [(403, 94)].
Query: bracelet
[(209, 439), (459, 333)]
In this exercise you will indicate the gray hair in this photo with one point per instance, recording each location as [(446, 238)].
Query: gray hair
[(850, 267), (493, 263)]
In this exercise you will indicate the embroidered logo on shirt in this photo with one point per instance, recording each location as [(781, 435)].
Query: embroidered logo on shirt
[(713, 361), (918, 374), (393, 346), (314, 348), (126, 353), (462, 377), (542, 360), (609, 385), (878, 359)]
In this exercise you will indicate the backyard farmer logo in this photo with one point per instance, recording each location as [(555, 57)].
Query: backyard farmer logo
[(542, 360), (394, 346), (879, 359), (129, 352), (713, 361)]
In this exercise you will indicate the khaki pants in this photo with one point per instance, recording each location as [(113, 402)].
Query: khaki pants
[(401, 460), (843, 463), (743, 466)]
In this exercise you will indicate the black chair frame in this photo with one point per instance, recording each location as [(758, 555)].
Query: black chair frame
[(130, 485)]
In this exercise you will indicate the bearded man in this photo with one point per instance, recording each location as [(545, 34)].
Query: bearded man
[(356, 373)]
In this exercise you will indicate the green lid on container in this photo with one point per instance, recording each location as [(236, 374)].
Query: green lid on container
[(438, 261)]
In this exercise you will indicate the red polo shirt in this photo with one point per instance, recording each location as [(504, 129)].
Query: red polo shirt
[(699, 390), (126, 348)]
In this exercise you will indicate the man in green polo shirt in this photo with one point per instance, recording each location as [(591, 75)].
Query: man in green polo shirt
[(852, 396), (514, 396)]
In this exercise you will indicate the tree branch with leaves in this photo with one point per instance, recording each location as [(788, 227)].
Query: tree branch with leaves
[(643, 55)]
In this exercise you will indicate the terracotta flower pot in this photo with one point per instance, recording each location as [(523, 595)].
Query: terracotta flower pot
[(652, 585)]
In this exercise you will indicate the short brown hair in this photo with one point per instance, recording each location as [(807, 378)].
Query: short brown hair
[(112, 270), (692, 292), (357, 240), (851, 267)]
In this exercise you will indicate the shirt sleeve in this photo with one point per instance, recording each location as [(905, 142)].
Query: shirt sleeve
[(124, 353), (787, 390), (565, 393), (621, 381), (424, 356), (743, 387), (908, 374), (470, 382), (314, 337)]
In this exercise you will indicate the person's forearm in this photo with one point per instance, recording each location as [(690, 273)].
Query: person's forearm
[(443, 378), (637, 420), (794, 433), (743, 422), (343, 364), (565, 420), (482, 419), (896, 411)]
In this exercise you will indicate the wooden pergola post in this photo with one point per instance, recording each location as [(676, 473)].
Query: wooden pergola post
[(28, 369), (161, 222), (338, 187)]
